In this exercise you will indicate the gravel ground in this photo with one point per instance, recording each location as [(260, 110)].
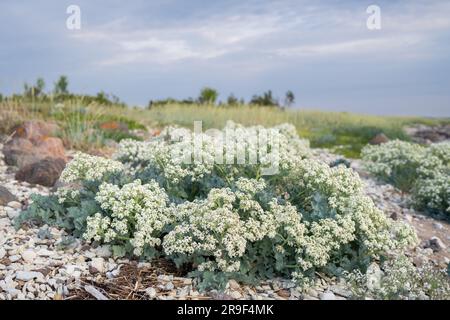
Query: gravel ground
[(45, 263)]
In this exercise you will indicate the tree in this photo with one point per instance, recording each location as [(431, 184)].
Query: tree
[(289, 99), (102, 98), (266, 99), (208, 96), (40, 85), (61, 86), (34, 90), (232, 100)]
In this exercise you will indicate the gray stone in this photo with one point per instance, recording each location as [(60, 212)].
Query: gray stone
[(151, 292), (13, 292), (236, 295), (169, 286), (233, 285), (29, 256), (341, 291), (327, 295), (45, 253), (313, 293), (15, 205), (165, 278), (14, 258), (408, 218), (435, 244), (438, 226), (420, 260), (98, 264), (183, 292), (28, 275), (374, 275), (12, 213), (103, 251), (6, 196)]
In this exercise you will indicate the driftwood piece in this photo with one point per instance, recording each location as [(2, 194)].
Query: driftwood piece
[(95, 293)]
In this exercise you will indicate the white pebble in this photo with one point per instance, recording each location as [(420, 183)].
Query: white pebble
[(29, 256)]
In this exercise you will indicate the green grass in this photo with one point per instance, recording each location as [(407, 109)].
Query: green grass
[(344, 133), (80, 126)]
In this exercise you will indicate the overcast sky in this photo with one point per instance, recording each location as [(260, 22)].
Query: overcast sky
[(321, 50)]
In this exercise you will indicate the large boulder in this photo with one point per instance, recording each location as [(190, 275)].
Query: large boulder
[(18, 151), (34, 150), (379, 139), (35, 130), (44, 172), (31, 142), (51, 147), (21, 152)]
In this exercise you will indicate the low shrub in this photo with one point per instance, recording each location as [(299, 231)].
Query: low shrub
[(433, 194), (395, 162), (423, 171), (399, 279), (222, 220)]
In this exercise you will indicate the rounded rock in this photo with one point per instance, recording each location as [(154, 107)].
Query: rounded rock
[(29, 256), (327, 295)]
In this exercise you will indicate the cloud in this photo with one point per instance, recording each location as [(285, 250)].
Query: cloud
[(218, 36), (359, 47), (278, 29)]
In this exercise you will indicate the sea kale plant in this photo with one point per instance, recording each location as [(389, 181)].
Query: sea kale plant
[(423, 171), (399, 279), (224, 218)]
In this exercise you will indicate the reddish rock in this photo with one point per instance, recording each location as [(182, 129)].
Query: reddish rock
[(51, 147), (21, 152), (44, 172), (154, 132), (18, 152), (29, 145), (35, 130), (379, 139), (284, 293), (114, 126)]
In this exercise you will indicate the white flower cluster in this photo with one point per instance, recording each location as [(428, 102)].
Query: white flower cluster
[(180, 154), (423, 170), (209, 228), (86, 167), (392, 159), (434, 193), (135, 212), (82, 168), (435, 161), (225, 224), (68, 194), (400, 279), (333, 199)]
